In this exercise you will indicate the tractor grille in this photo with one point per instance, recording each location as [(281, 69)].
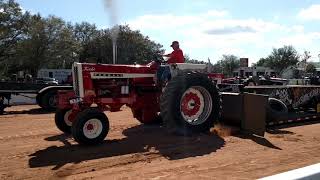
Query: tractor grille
[(75, 75)]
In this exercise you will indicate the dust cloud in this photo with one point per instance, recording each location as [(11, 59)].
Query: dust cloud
[(224, 130)]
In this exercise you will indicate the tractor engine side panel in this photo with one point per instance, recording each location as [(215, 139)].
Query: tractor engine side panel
[(115, 85), (85, 75)]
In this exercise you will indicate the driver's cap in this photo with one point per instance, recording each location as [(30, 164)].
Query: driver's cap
[(174, 42)]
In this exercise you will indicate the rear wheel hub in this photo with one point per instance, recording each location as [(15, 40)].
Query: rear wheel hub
[(191, 104), (196, 105)]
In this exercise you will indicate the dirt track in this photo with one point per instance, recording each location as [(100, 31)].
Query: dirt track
[(32, 148)]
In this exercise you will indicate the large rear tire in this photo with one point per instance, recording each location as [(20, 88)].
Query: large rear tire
[(90, 127), (190, 104), (62, 120)]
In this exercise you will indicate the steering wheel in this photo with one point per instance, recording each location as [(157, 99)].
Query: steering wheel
[(161, 60)]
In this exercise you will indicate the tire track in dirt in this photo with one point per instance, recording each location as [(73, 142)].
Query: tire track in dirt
[(87, 167), (29, 134)]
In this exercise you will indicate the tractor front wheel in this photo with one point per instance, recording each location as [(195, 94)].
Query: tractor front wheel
[(90, 127), (62, 120)]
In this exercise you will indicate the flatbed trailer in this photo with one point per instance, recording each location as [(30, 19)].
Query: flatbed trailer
[(296, 117), (45, 94)]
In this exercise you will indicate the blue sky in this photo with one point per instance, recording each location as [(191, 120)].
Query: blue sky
[(205, 28)]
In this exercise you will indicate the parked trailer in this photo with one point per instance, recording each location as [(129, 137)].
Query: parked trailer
[(45, 95)]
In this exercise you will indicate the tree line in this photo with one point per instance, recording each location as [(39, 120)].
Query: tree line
[(29, 42), (279, 60)]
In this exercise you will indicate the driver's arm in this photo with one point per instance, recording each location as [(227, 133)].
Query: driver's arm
[(167, 55), (172, 58)]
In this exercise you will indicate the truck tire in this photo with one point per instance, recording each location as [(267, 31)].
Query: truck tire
[(47, 97), (2, 106), (62, 120), (276, 110), (48, 101), (38, 100), (90, 127), (190, 104)]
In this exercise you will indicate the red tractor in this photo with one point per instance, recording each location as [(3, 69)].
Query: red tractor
[(189, 102)]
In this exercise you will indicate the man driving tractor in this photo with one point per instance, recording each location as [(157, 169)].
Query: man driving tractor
[(175, 57)]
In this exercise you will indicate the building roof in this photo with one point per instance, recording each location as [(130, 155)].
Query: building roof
[(258, 68)]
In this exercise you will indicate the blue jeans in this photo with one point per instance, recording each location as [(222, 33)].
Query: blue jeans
[(164, 73)]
